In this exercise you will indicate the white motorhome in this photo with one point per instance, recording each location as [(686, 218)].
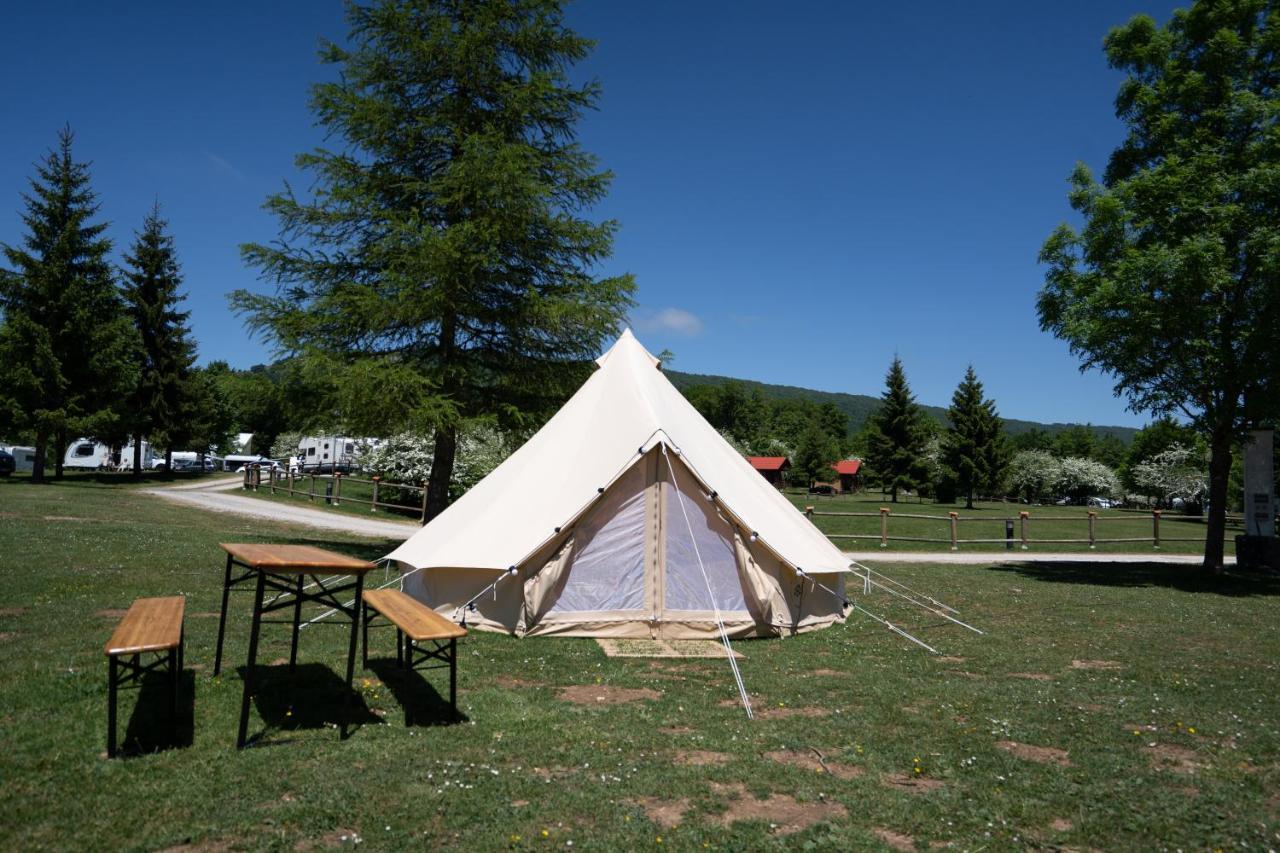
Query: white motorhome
[(94, 455), (326, 453), (24, 458)]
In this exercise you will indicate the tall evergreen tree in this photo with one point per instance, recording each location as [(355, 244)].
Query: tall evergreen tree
[(161, 405), (442, 269), (65, 342), (896, 443), (974, 447)]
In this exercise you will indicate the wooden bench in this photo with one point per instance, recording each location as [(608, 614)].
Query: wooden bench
[(415, 623), (151, 626)]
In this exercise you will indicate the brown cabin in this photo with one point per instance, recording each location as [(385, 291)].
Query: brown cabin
[(772, 468)]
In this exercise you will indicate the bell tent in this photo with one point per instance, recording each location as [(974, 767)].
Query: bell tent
[(627, 515)]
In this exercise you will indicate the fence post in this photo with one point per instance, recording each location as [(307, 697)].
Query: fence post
[(808, 513), (246, 478), (1155, 529), (954, 519), (1023, 517), (1093, 537), (257, 477), (311, 496), (337, 487), (424, 501), (884, 527), (290, 482), (374, 506), (271, 478)]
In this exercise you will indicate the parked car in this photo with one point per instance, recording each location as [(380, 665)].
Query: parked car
[(1101, 503), (7, 463), (264, 464)]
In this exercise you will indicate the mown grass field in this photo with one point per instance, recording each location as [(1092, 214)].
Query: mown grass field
[(1110, 706), (1179, 534)]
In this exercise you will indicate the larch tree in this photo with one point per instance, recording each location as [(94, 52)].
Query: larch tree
[(66, 344), (896, 443), (442, 268), (974, 446), (162, 403), (1172, 285)]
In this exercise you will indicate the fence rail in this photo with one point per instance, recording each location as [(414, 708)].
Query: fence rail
[(1019, 534), (304, 485)]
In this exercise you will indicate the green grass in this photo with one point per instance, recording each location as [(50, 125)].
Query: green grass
[(1179, 534), (1184, 651)]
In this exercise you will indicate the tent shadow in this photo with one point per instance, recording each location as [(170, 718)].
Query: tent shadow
[(423, 705), (1179, 576), (311, 697), (149, 729)]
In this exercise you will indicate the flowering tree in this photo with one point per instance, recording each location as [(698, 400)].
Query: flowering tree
[(406, 457), (1083, 478), (1034, 475), (1178, 472)]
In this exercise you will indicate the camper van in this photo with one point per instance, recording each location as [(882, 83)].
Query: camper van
[(24, 458), (96, 456), (321, 453)]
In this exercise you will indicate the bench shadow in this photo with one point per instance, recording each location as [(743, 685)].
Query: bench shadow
[(423, 705), (1180, 576), (149, 729), (313, 696)]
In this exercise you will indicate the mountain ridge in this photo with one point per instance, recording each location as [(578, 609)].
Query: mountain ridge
[(858, 407)]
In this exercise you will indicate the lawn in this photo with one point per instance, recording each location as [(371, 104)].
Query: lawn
[(1108, 706)]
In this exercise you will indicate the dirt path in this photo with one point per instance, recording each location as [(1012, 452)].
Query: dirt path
[(216, 495)]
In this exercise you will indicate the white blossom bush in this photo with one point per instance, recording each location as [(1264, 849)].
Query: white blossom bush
[(1179, 472), (1033, 475), (406, 457), (1084, 478)]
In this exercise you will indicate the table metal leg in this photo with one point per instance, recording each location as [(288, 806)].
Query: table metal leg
[(222, 617), (253, 662), (112, 672), (453, 674), (351, 651), (364, 622), (175, 675), (297, 619), (399, 648)]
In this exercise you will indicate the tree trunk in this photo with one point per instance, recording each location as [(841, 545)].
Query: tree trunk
[(137, 458), (1219, 477), (60, 449), (168, 460), (894, 493), (441, 472), (37, 464)]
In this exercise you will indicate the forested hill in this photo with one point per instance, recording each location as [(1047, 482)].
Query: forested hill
[(859, 406)]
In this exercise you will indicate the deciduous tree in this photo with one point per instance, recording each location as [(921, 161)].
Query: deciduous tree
[(1172, 286)]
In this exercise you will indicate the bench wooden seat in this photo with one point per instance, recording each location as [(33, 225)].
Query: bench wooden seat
[(151, 625), (415, 623)]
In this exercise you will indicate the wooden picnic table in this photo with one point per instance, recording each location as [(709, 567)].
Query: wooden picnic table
[(284, 568)]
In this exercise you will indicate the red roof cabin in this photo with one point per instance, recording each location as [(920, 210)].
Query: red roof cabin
[(772, 468), (848, 472)]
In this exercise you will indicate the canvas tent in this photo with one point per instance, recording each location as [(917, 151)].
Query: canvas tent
[(627, 515)]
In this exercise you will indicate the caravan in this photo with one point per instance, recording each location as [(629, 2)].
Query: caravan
[(24, 458), (326, 453), (87, 453)]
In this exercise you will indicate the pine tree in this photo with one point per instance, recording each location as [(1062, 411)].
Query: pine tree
[(161, 405), (441, 269), (974, 447), (896, 444), (65, 342)]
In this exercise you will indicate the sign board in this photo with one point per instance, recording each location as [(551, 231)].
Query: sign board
[(1259, 484)]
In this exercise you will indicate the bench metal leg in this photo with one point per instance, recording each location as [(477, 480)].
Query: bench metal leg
[(112, 672), (222, 617), (364, 619), (297, 618), (351, 651), (252, 664)]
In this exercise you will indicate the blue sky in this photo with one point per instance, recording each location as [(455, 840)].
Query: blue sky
[(804, 190)]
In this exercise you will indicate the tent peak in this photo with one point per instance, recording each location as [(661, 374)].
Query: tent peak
[(628, 345)]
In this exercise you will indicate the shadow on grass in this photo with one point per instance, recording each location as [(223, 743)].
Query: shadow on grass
[(311, 697), (149, 729), (1179, 576), (423, 705)]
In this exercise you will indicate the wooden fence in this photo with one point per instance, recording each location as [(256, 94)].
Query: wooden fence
[(330, 488), (1019, 534)]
